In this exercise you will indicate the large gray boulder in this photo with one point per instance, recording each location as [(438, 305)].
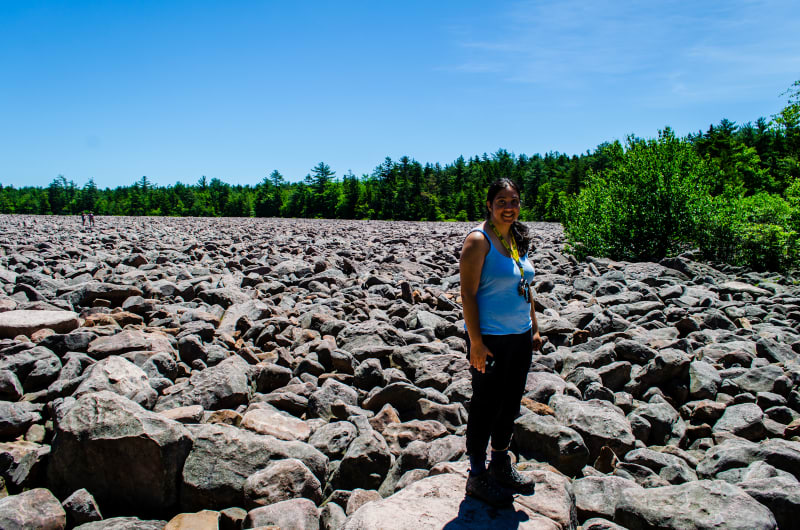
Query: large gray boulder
[(633, 351), (292, 266), (704, 380), (254, 310), (223, 457), (695, 505), (224, 296), (164, 288), (780, 494), (334, 438), (16, 418), (671, 468), (224, 386), (665, 423), (446, 449), (122, 377), (402, 396), (22, 464), (398, 435), (81, 508), (541, 386), (87, 293), (280, 481), (365, 463), (739, 352), (668, 364), (417, 458), (366, 334), (76, 341), (761, 379), (544, 438), (128, 457), (736, 287), (270, 376), (10, 387), (297, 514), (599, 496), (736, 453), (452, 416), (775, 351), (598, 422), (35, 367), (320, 402), (430, 364), (37, 508), (745, 420)]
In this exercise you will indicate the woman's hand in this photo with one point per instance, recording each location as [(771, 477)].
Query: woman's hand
[(477, 356), (536, 341)]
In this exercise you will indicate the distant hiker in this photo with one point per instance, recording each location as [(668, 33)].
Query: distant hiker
[(502, 334), (83, 219), (91, 219)]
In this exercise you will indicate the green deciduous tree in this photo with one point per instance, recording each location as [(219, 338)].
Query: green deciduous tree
[(269, 195), (645, 208)]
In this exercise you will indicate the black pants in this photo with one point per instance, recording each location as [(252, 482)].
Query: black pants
[(496, 393)]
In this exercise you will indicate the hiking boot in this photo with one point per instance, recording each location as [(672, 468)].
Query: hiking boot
[(506, 475), (483, 487)]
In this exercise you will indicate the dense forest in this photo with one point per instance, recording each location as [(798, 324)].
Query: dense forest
[(720, 170), (403, 189)]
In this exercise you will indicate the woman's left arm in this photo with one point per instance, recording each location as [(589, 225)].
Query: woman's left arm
[(537, 339)]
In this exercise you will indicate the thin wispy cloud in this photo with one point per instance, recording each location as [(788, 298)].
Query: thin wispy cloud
[(476, 68), (573, 45), (756, 59)]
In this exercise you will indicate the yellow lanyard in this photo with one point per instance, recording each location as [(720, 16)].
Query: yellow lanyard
[(512, 250)]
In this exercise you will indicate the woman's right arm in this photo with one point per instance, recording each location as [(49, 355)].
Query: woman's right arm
[(472, 255)]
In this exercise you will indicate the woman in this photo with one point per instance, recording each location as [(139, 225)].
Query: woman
[(502, 334)]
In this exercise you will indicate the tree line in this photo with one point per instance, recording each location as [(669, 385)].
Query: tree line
[(403, 189), (751, 158)]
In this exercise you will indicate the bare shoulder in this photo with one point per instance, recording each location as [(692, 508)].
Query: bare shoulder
[(476, 233), (475, 242)]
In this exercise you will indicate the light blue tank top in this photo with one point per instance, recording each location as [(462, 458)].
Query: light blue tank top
[(501, 309)]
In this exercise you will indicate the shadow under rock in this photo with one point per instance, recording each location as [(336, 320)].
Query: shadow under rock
[(473, 513)]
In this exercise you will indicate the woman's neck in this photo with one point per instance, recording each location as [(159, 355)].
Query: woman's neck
[(504, 229)]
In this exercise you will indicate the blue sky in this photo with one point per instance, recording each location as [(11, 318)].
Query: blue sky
[(175, 90)]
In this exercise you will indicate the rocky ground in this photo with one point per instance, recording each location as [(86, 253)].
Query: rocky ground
[(237, 373)]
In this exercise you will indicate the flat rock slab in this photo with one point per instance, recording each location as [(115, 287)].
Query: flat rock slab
[(204, 520), (28, 321), (129, 340), (266, 419), (694, 505), (439, 502)]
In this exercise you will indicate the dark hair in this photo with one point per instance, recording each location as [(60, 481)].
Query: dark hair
[(519, 231)]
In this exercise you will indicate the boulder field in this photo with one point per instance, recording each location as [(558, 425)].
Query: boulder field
[(240, 373)]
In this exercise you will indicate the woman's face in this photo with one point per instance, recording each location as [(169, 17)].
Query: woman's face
[(504, 209)]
